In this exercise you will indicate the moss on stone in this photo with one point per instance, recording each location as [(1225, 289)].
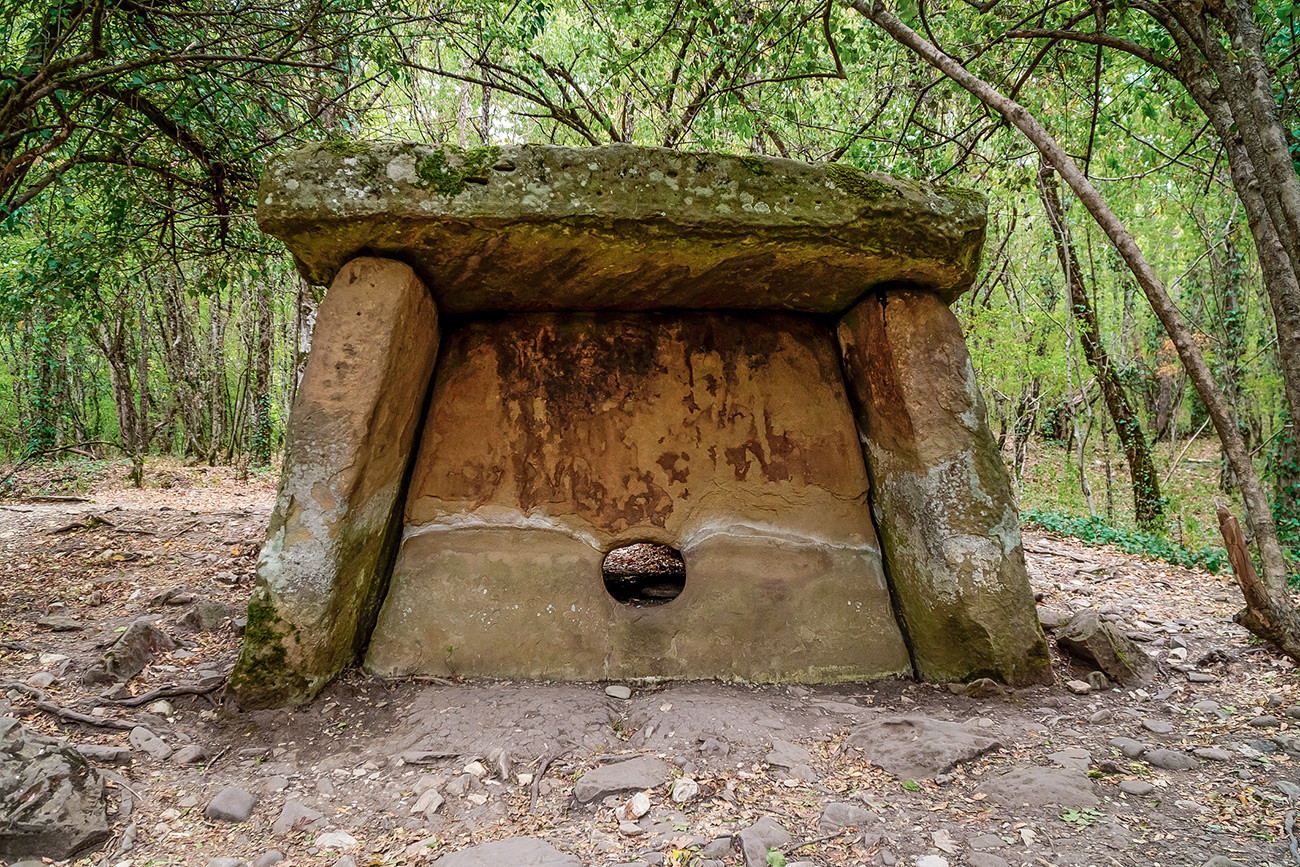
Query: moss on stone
[(448, 170), (341, 147), (755, 164), (858, 183), (260, 672)]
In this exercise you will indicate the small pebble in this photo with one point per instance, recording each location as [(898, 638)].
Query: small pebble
[(1136, 787), (618, 691), (1078, 687)]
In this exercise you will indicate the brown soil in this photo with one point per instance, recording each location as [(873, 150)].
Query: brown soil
[(359, 753)]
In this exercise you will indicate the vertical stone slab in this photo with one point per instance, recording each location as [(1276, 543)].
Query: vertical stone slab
[(942, 498), (323, 569)]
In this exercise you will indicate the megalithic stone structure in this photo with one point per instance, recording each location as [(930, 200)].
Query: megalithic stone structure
[(737, 375)]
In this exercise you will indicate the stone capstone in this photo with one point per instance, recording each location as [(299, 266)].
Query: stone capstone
[(942, 497), (916, 747), (619, 227), (52, 801), (329, 546)]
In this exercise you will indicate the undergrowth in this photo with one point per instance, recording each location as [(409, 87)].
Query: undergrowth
[(1095, 531)]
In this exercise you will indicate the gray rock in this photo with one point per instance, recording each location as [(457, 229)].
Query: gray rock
[(719, 847), (190, 754), (618, 691), (1088, 638), (1288, 788), (1098, 680), (917, 747), (227, 862), (1200, 677), (1293, 711), (137, 647), (268, 859), (513, 851), (985, 859), (1130, 748), (60, 623), (1222, 861), (296, 816), (1265, 722), (148, 742), (1212, 754), (1078, 687), (52, 801), (984, 687), (206, 616), (1206, 706), (41, 680), (1157, 726), (105, 755), (1075, 758), (1052, 619), (643, 772), (1136, 787), (986, 842), (758, 838), (232, 804), (1029, 784), (1172, 760), (837, 815), (787, 755), (345, 861)]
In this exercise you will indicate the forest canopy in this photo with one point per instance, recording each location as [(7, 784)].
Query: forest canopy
[(1140, 160)]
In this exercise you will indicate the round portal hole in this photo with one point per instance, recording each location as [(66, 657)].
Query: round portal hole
[(644, 573)]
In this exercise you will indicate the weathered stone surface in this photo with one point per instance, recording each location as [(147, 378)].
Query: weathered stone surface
[(350, 438), (554, 438), (758, 838), (1093, 640), (619, 227), (643, 772), (515, 851), (942, 497), (52, 801), (231, 804), (128, 656), (917, 747), (1034, 785)]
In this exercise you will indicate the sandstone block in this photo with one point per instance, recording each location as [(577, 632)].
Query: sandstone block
[(333, 532), (941, 496), (555, 438)]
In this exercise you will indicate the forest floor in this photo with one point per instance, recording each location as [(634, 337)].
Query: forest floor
[(355, 762)]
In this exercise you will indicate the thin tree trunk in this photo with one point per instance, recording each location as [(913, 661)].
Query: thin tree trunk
[(1284, 615), (1148, 505), (261, 439)]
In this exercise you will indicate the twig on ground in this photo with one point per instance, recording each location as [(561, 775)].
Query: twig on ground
[(44, 705), (816, 840), (203, 687), (537, 780)]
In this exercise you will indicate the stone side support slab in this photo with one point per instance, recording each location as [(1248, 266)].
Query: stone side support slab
[(942, 498), (322, 572)]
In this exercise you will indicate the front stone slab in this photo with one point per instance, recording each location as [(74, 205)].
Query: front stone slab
[(323, 570), (553, 438), (535, 227), (942, 497)]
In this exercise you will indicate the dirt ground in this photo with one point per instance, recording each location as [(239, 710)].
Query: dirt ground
[(77, 571)]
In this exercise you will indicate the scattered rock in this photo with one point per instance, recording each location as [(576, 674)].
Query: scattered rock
[(1136, 787), (984, 687), (232, 804), (634, 808), (1030, 784), (1130, 748), (931, 861), (618, 691), (1053, 619), (296, 816), (52, 801), (918, 747), (41, 680), (985, 859), (1075, 758), (514, 851), (1172, 760), (837, 815), (428, 803), (1078, 687), (643, 772), (758, 838), (685, 789), (130, 654), (1212, 754), (340, 840), (1222, 861), (60, 623), (190, 754), (148, 742), (1098, 680), (1088, 638), (1157, 726), (1265, 722), (227, 862), (105, 755)]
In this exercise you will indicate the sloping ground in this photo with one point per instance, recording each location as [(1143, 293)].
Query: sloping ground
[(76, 574)]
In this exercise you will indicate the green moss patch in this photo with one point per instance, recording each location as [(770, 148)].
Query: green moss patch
[(448, 170)]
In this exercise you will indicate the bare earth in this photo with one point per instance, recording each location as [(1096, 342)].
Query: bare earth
[(363, 753)]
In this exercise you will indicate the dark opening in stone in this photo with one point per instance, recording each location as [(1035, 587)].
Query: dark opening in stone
[(644, 573)]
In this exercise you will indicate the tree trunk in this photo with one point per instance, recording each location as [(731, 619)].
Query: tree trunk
[(1148, 505), (1256, 501), (261, 439)]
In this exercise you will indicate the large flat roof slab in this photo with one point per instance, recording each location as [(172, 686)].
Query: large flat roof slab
[(542, 227)]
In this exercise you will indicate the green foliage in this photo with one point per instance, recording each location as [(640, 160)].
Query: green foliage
[(775, 858), (1084, 818), (1095, 531)]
